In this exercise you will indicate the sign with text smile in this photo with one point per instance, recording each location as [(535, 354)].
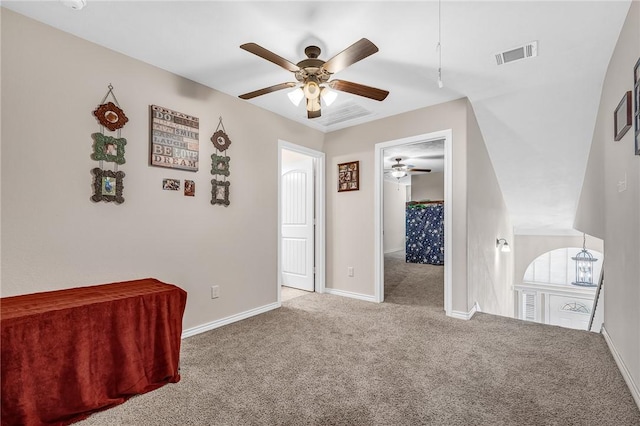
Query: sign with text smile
[(174, 139)]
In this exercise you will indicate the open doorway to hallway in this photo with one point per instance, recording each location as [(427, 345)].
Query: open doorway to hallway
[(413, 223), (400, 265)]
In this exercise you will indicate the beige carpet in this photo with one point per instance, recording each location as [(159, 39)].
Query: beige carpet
[(329, 360)]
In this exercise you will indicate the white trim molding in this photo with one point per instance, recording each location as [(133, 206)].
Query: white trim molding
[(626, 374), (228, 320), (464, 315), (350, 294)]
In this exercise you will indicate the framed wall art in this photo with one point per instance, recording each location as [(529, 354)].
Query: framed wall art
[(171, 184), (622, 117), (189, 188), (107, 148), (349, 176), (219, 192), (107, 185), (174, 139)]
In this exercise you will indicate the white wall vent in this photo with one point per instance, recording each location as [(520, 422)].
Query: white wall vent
[(340, 113), (528, 50)]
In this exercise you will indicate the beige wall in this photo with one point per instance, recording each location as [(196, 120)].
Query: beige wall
[(602, 207), (429, 186), (490, 270), (395, 199), (54, 237)]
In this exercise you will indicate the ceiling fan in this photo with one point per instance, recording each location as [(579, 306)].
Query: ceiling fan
[(400, 170), (313, 75)]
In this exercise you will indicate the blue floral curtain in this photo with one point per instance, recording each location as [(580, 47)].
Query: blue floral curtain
[(425, 233)]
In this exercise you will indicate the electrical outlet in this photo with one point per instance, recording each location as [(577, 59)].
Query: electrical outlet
[(350, 271), (215, 291)]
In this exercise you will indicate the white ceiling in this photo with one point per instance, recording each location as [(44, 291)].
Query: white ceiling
[(536, 115)]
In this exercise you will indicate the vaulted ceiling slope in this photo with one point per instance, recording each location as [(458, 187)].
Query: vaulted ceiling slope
[(537, 115)]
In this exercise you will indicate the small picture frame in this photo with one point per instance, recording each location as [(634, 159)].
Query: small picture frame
[(349, 176), (622, 117), (220, 192), (107, 148), (171, 184), (189, 188), (107, 186), (220, 165)]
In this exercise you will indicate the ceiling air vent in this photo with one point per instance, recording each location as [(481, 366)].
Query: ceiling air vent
[(340, 113), (528, 50)]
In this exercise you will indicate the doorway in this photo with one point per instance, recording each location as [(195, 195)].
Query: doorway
[(446, 136), (301, 236)]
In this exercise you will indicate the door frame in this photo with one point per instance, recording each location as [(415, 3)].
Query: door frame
[(319, 207), (448, 212)]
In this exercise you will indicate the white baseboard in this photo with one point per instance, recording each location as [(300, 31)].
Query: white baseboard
[(393, 250), (350, 294), (633, 387), (228, 320), (464, 315)]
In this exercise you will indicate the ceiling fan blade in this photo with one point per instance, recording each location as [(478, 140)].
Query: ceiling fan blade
[(359, 89), (266, 90), (419, 170), (352, 54), (270, 56)]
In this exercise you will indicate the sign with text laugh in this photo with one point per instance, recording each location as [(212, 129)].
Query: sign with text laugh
[(174, 139)]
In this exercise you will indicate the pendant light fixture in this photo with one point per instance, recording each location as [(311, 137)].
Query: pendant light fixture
[(584, 266)]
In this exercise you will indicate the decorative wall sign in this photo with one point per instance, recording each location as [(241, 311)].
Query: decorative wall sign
[(107, 148), (107, 185), (174, 139), (220, 165), (110, 115), (622, 117), (636, 113), (220, 192), (171, 184), (349, 176), (189, 188)]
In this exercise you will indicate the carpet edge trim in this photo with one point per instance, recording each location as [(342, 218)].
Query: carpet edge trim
[(228, 320), (350, 294), (626, 374)]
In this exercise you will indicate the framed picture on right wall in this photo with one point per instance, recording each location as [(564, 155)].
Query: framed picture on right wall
[(636, 105)]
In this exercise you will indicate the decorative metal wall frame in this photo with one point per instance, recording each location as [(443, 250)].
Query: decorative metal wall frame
[(107, 148), (220, 192), (107, 185), (220, 165)]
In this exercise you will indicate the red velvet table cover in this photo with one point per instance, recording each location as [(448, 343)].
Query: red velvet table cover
[(68, 353)]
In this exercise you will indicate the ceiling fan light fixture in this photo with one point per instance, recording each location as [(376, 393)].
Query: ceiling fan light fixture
[(328, 95), (398, 173), (312, 89), (313, 104), (296, 95)]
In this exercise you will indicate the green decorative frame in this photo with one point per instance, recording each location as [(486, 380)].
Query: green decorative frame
[(220, 192), (220, 165), (103, 148), (104, 187)]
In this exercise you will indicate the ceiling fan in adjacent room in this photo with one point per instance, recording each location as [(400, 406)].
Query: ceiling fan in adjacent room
[(400, 170), (313, 75)]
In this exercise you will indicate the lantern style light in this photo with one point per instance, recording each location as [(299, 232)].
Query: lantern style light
[(584, 267)]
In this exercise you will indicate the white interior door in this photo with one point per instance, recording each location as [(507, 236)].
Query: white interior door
[(297, 222)]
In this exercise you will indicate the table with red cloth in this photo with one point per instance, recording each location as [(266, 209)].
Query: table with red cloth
[(70, 352)]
